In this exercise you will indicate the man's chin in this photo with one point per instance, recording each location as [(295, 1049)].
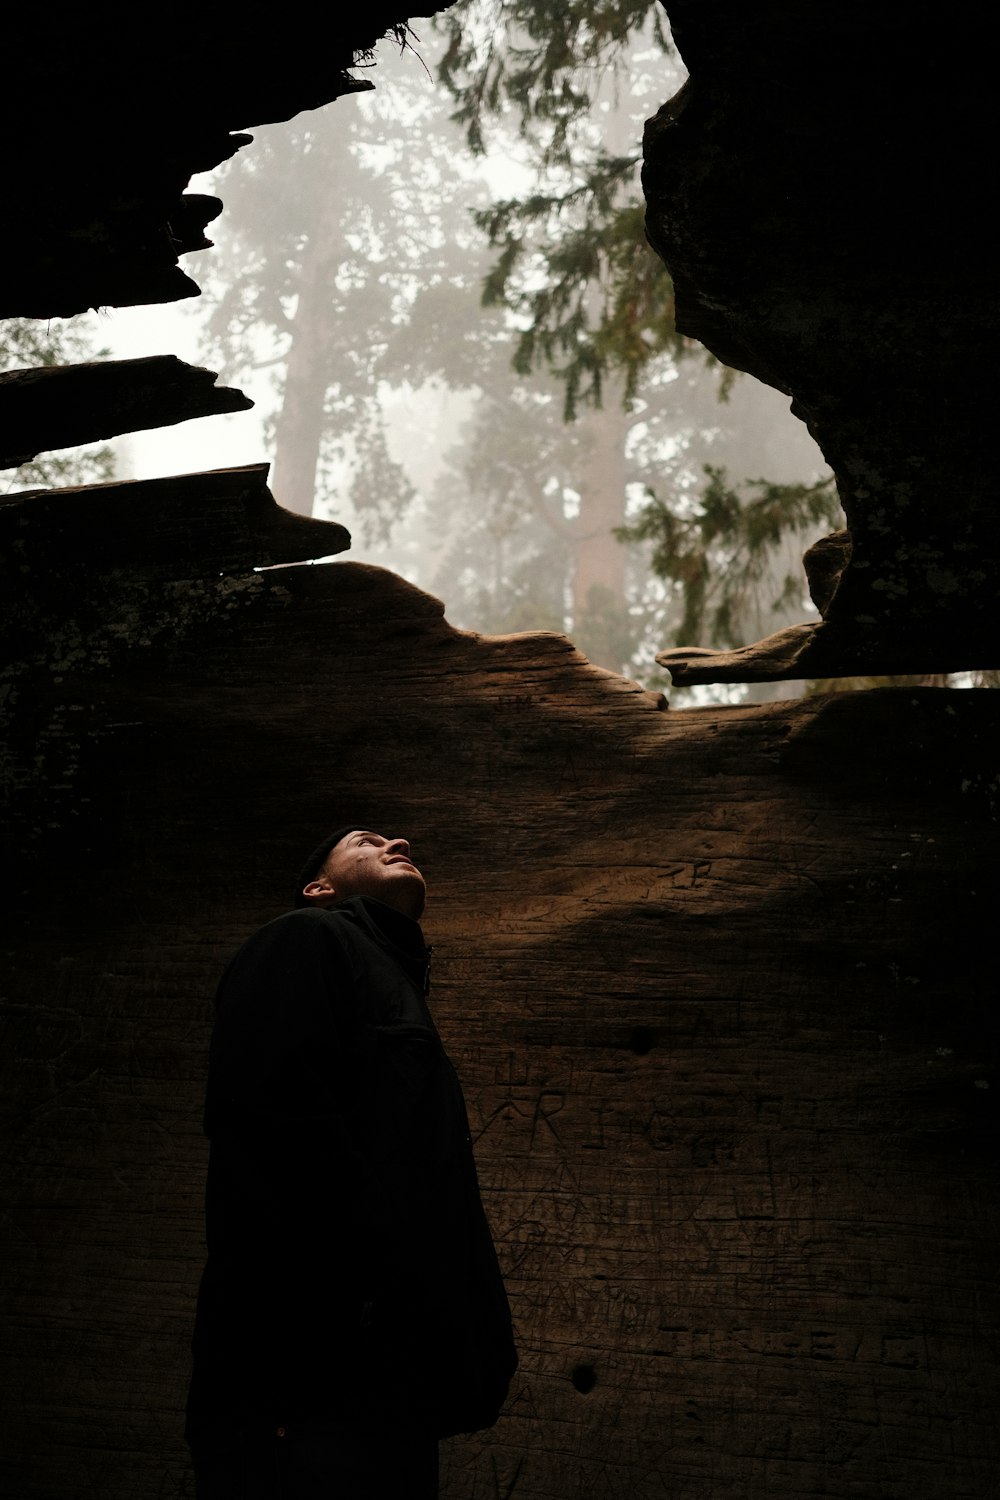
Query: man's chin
[(405, 890)]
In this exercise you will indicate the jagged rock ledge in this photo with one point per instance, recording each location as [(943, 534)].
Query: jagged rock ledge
[(61, 406)]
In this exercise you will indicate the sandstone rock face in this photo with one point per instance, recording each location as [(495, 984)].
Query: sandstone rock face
[(713, 981), (720, 984), (816, 191), (98, 151), (59, 406)]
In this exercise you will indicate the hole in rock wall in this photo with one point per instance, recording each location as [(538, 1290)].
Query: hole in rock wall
[(641, 1040), (344, 295)]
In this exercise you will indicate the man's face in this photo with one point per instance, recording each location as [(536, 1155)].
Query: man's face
[(368, 864)]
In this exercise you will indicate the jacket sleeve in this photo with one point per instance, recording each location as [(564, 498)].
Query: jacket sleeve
[(294, 1203)]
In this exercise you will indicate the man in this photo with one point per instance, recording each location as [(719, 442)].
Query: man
[(351, 1312)]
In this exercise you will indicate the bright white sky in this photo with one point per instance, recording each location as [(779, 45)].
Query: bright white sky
[(173, 328), (205, 443)]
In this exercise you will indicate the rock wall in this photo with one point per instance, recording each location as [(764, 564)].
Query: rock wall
[(816, 190), (720, 984), (713, 980)]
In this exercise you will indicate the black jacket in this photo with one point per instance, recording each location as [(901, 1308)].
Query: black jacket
[(350, 1267)]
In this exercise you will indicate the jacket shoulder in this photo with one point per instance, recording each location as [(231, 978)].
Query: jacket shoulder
[(294, 942), (305, 924)]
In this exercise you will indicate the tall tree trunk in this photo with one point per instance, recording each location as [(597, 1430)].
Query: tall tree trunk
[(299, 426), (599, 569), (301, 422), (599, 578)]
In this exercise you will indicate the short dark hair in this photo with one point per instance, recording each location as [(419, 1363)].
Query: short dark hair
[(317, 859)]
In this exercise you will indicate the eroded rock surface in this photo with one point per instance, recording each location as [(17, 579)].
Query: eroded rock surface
[(98, 149), (713, 980), (716, 981), (816, 191), (60, 406)]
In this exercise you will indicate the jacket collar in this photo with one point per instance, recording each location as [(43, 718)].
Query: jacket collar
[(400, 936)]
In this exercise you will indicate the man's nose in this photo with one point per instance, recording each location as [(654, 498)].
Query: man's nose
[(400, 844)]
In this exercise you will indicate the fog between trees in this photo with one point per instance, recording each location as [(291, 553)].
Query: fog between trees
[(349, 269)]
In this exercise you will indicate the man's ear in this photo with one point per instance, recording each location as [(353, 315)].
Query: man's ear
[(319, 893)]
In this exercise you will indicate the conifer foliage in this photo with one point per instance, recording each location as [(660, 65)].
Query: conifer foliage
[(587, 293), (357, 251), (592, 306)]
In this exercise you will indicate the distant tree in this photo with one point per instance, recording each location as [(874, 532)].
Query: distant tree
[(25, 344), (590, 297), (718, 558), (333, 224), (720, 552), (593, 307), (349, 263), (589, 305)]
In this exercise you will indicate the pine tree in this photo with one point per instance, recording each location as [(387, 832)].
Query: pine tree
[(350, 262), (333, 223), (590, 297), (594, 307)]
